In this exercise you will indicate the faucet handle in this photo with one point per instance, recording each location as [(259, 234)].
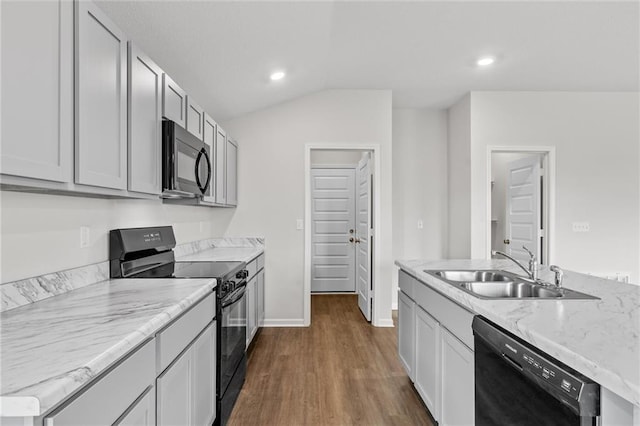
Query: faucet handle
[(559, 274)]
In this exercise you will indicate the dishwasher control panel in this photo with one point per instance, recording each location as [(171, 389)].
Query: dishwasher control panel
[(546, 370)]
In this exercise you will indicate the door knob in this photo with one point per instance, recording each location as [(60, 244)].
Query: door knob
[(507, 241), (351, 239), (351, 231)]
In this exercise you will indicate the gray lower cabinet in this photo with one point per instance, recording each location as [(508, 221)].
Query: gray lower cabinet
[(231, 172), (143, 411), (406, 333), (457, 381), (261, 298), (144, 123), (252, 321), (37, 72), (186, 390), (255, 295), (100, 99), (427, 373)]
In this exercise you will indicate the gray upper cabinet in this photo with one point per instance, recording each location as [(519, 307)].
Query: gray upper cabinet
[(209, 137), (220, 168), (195, 118), (231, 173), (101, 99), (37, 88), (174, 101), (145, 123)]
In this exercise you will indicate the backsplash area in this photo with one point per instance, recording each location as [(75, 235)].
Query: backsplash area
[(22, 292)]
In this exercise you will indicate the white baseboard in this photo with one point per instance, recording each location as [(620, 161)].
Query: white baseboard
[(284, 323), (387, 322)]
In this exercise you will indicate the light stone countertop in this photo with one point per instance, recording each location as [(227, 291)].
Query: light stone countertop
[(598, 338), (220, 254), (52, 348)]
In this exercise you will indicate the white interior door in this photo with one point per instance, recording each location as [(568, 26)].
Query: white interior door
[(333, 225), (523, 224), (364, 242)]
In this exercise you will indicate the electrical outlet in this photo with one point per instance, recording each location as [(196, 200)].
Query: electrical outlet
[(299, 224), (580, 226), (420, 224), (85, 236)]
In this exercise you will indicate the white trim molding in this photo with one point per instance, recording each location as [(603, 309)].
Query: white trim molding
[(297, 322)]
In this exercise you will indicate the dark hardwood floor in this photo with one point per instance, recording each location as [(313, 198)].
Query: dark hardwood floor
[(339, 371)]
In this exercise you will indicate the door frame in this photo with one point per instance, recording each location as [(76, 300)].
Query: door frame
[(377, 207), (549, 198)]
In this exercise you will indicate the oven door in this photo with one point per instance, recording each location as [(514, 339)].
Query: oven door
[(187, 162), (232, 337)]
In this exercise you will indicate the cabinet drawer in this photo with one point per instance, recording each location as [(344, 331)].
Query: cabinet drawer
[(106, 400), (252, 268), (260, 262), (406, 283), (173, 339), (452, 316)]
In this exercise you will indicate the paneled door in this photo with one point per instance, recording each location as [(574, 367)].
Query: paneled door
[(363, 237), (523, 208), (333, 230)]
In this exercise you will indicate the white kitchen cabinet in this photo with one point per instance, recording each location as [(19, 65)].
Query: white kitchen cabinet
[(186, 390), (37, 89), (143, 411), (252, 323), (260, 297), (427, 361), (406, 333), (144, 123), (174, 101), (231, 172), (195, 118), (209, 137), (101, 99), (220, 168), (457, 381)]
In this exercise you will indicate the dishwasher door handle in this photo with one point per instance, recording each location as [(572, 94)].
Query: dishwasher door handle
[(512, 362)]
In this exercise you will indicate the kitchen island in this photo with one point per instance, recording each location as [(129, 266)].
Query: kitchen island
[(599, 338)]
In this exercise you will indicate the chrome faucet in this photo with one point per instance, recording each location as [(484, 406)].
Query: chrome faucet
[(532, 270), (559, 275)]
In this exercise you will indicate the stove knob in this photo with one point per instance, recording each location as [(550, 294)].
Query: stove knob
[(240, 275)]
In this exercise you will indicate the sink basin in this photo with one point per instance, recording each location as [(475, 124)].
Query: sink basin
[(497, 284)]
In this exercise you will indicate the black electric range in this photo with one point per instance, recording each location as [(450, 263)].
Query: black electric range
[(148, 253)]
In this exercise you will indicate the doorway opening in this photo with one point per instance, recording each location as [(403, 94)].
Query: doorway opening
[(521, 202), (340, 215)]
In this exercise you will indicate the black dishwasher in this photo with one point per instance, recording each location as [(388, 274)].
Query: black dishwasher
[(517, 384)]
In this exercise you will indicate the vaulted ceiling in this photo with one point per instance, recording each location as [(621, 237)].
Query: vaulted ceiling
[(425, 52)]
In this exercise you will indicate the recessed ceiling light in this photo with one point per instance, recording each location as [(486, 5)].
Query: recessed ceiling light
[(278, 75), (485, 61)]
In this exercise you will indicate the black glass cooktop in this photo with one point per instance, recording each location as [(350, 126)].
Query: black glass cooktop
[(219, 270)]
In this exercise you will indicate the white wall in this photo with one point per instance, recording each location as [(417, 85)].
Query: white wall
[(40, 233), (419, 185), (596, 136), (459, 179), (271, 184)]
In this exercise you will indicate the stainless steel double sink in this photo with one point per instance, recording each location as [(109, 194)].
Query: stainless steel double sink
[(497, 284)]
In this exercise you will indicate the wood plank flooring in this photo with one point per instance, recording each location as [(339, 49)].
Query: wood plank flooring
[(339, 371)]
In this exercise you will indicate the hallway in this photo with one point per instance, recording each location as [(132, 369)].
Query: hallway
[(339, 371)]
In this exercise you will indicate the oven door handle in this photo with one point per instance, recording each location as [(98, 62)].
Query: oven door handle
[(239, 294)]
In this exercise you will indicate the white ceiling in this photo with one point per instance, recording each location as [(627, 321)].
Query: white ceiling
[(223, 52)]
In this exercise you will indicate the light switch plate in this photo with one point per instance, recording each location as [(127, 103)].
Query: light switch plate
[(85, 236), (420, 224), (580, 226), (299, 224)]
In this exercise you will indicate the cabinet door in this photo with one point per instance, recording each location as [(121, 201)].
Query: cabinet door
[(204, 378), (145, 123), (209, 137), (457, 382), (195, 118), (251, 309), (427, 367), (174, 101), (232, 172), (406, 333), (174, 393), (143, 411), (37, 89), (221, 146), (261, 292), (101, 99)]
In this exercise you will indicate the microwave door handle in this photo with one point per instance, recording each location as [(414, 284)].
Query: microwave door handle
[(197, 169), (206, 157)]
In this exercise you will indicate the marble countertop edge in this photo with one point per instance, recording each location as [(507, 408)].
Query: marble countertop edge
[(56, 390)]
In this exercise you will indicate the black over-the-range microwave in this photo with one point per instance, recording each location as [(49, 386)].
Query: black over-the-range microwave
[(186, 163)]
